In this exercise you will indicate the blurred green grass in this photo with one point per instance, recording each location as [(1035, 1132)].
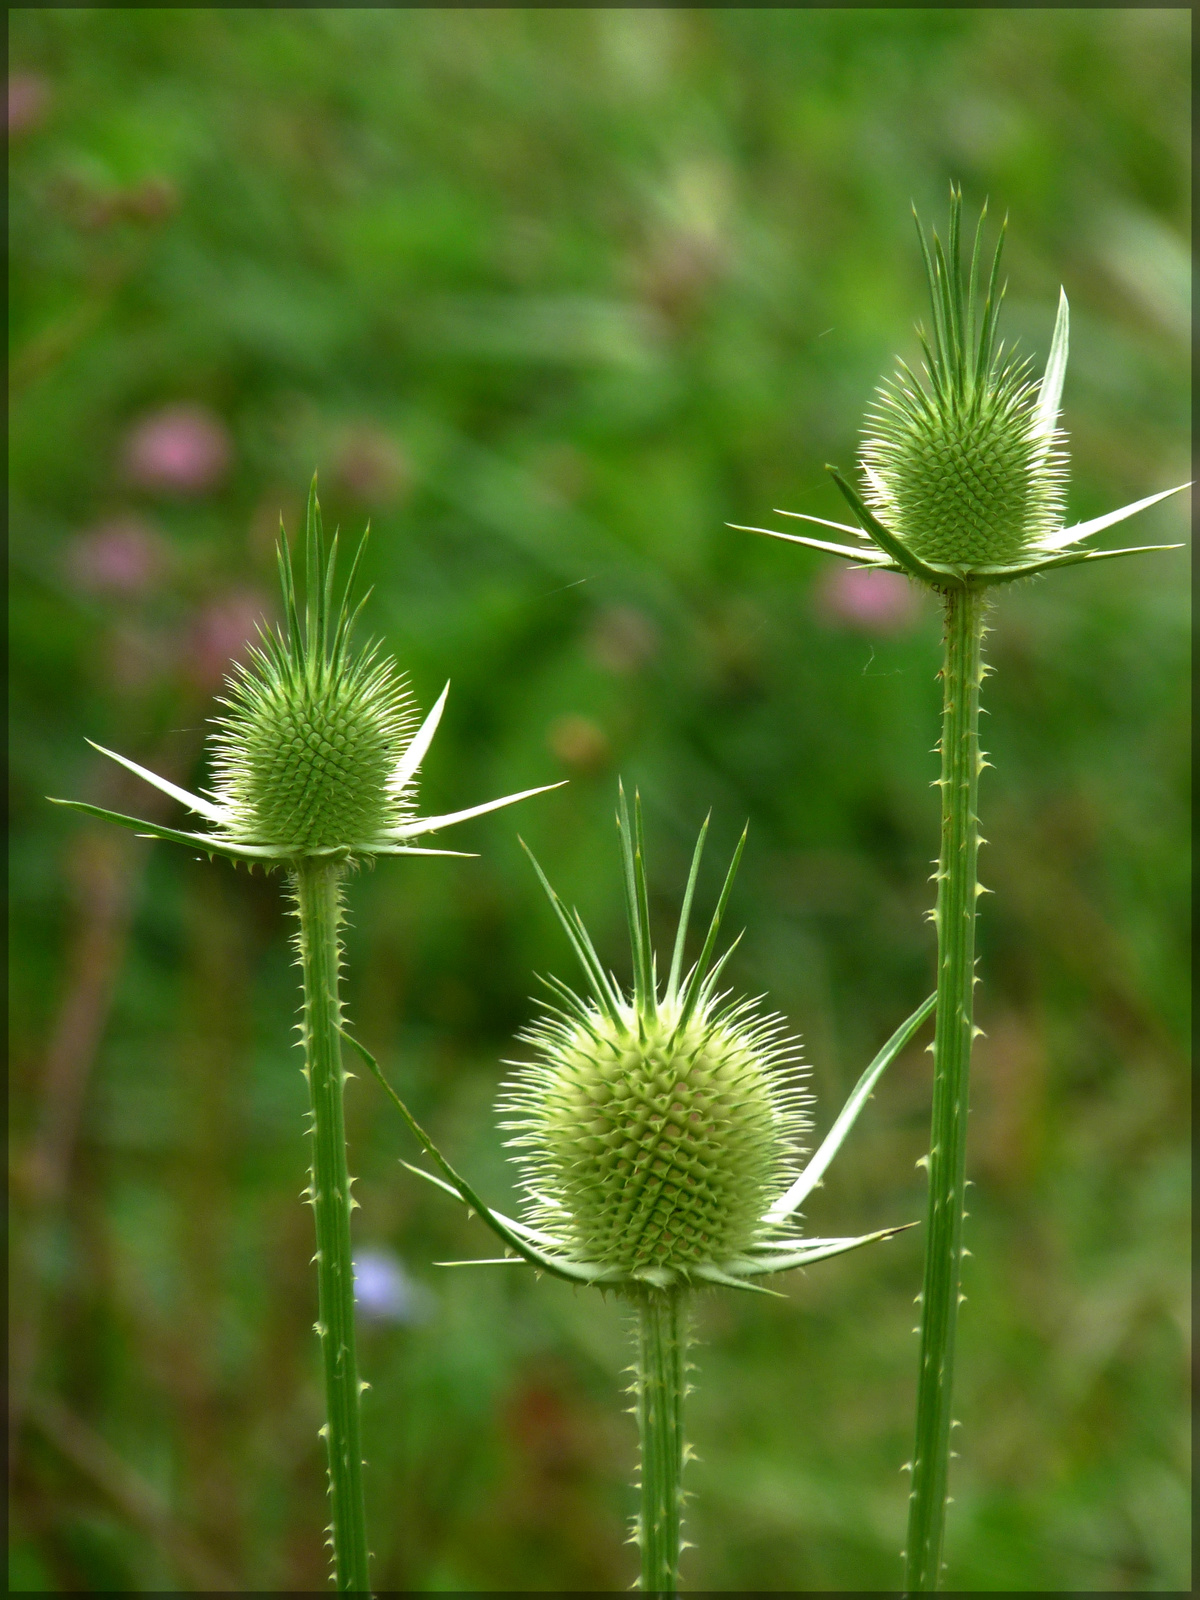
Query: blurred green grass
[(551, 297)]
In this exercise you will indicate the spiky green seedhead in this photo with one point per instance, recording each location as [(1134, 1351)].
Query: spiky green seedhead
[(313, 730), (964, 467), (654, 1130), (961, 466), (657, 1149), (318, 750), (304, 766)]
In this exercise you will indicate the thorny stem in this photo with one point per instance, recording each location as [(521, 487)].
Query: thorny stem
[(957, 894), (660, 1387), (317, 888)]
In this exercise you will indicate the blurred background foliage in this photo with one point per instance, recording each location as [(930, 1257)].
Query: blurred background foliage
[(551, 297)]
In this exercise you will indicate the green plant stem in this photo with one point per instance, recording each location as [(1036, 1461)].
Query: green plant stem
[(957, 894), (317, 886), (660, 1388)]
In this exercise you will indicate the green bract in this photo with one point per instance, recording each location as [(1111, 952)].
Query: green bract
[(318, 751), (964, 467)]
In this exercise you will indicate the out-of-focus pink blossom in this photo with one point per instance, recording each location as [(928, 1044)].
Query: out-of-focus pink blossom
[(872, 602), (220, 634), (183, 449), (28, 101), (119, 557)]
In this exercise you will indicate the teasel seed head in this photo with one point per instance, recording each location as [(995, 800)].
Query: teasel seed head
[(652, 1129), (657, 1148), (961, 464), (313, 729), (318, 750), (964, 468)]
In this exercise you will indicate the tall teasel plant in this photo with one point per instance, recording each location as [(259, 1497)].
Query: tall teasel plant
[(315, 762), (964, 476), (657, 1135)]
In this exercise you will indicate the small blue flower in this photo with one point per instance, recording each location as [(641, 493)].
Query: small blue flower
[(384, 1292)]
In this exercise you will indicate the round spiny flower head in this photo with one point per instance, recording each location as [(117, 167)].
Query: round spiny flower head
[(313, 733), (656, 1150), (965, 469), (654, 1133)]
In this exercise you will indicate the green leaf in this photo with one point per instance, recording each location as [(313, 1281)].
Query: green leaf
[(842, 527), (695, 981), (412, 850), (714, 1275), (410, 830), (1084, 530), (346, 617), (287, 582), (313, 563), (410, 762), (1071, 559), (685, 913), (637, 943), (649, 975), (194, 802), (581, 944), (485, 1261)]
